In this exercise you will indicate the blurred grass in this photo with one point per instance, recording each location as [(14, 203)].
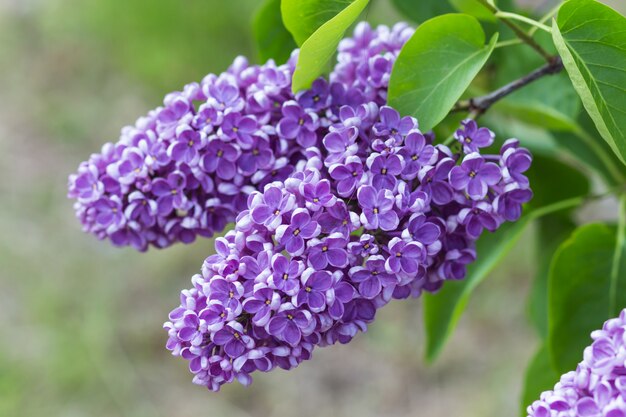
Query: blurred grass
[(81, 321)]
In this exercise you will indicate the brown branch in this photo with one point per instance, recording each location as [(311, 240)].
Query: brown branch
[(479, 105)]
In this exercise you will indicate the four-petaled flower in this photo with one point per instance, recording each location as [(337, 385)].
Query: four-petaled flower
[(474, 176), (373, 277), (302, 227), (377, 209), (330, 250)]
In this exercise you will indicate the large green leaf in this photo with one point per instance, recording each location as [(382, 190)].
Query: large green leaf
[(443, 310), (272, 39), (586, 287), (436, 66), (565, 182), (421, 10), (539, 377), (303, 17), (591, 40), (474, 8), (317, 50)]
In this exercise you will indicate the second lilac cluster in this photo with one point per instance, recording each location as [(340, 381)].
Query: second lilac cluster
[(374, 213), (597, 388)]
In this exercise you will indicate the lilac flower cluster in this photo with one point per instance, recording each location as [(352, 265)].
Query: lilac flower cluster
[(187, 167), (597, 388), (375, 212)]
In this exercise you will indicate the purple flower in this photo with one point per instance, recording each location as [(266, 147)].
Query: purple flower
[(373, 277), (207, 118), (347, 175), (240, 128), (515, 162), (318, 195), (405, 257), (220, 158), (234, 339), (85, 185), (330, 250), (509, 204), (286, 274), (392, 125), (227, 293), (340, 144), (298, 124), (385, 170), (474, 176), (472, 137), (269, 207), (224, 94), (317, 97), (170, 192), (313, 289), (421, 230), (141, 209), (129, 168), (478, 217), (416, 153), (377, 208), (109, 213), (337, 218), (262, 303), (301, 227), (366, 246), (434, 181), (289, 324), (188, 143), (259, 156), (215, 315), (190, 332)]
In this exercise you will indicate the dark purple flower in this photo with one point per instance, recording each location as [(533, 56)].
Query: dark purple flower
[(416, 153), (340, 144), (170, 192), (515, 162), (262, 303), (286, 274), (373, 277), (301, 227), (268, 208), (240, 128), (220, 158), (313, 289), (478, 217), (216, 215), (405, 257), (377, 208), (337, 218), (348, 175), (392, 125), (434, 181), (472, 137), (509, 203), (259, 156), (385, 170), (474, 176), (366, 246), (188, 143), (317, 97), (289, 324), (234, 340), (318, 195), (421, 230), (298, 124), (330, 250)]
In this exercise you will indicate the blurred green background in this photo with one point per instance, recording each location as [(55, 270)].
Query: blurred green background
[(81, 320)]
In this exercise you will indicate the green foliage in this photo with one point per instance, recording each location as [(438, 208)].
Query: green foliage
[(591, 40), (443, 310), (273, 40), (421, 10), (582, 290), (303, 17), (474, 8), (319, 48), (449, 51), (539, 377)]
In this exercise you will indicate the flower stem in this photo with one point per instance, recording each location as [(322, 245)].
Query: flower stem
[(519, 32), (515, 16), (478, 105)]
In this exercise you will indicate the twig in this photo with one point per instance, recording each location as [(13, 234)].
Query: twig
[(519, 32), (478, 105)]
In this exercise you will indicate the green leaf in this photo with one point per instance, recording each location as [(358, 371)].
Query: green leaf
[(303, 17), (443, 310), (317, 50), (474, 8), (591, 40), (272, 39), (436, 66), (565, 182), (585, 288), (421, 10), (539, 377)]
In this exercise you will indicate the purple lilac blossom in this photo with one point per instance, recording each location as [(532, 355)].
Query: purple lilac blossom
[(311, 259), (597, 387)]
